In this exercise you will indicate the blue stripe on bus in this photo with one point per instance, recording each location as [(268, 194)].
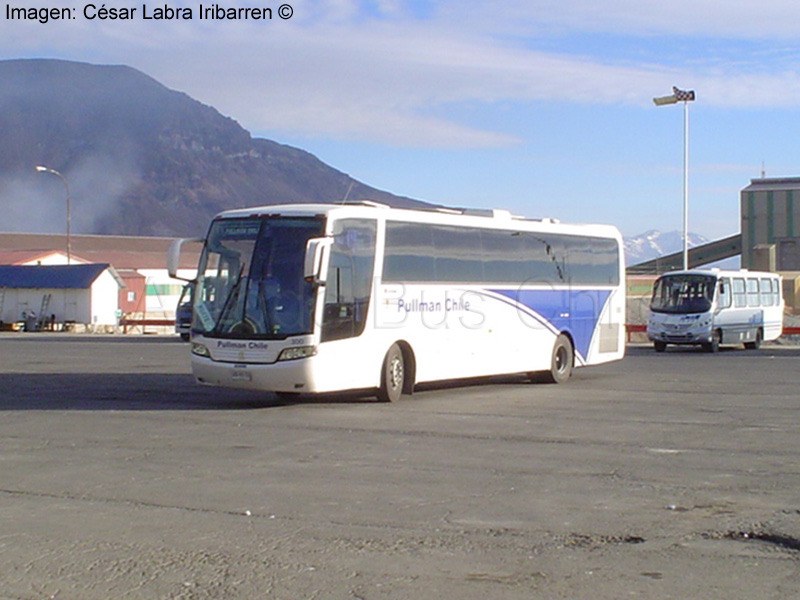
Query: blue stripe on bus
[(576, 312)]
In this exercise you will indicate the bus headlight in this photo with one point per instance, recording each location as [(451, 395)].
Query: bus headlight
[(297, 352), (200, 350)]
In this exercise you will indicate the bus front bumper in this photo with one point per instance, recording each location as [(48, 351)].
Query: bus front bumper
[(679, 337), (292, 376)]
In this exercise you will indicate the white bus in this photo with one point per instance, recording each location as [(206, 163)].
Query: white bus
[(710, 308), (320, 298)]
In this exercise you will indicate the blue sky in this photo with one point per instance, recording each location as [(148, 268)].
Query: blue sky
[(542, 107)]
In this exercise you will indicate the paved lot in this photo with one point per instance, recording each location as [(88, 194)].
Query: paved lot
[(662, 476)]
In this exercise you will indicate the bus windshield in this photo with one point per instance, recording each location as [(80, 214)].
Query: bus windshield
[(250, 278), (683, 294)]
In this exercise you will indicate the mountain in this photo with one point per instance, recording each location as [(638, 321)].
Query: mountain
[(653, 243), (139, 158)]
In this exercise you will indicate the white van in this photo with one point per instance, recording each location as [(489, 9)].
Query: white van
[(715, 307)]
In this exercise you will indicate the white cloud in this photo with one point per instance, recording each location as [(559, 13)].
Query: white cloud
[(386, 83), (735, 19), (338, 70)]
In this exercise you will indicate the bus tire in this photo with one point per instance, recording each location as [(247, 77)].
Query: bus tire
[(562, 361), (393, 375), (659, 346), (716, 340), (755, 344)]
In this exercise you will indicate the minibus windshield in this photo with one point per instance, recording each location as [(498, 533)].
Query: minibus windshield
[(683, 294)]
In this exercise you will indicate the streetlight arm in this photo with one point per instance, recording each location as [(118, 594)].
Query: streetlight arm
[(43, 169)]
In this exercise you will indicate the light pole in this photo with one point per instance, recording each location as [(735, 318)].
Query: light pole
[(685, 97), (42, 169)]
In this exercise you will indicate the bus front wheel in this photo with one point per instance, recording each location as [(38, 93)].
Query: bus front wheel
[(716, 340), (393, 375), (562, 361)]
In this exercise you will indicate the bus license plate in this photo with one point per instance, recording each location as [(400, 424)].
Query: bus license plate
[(241, 375)]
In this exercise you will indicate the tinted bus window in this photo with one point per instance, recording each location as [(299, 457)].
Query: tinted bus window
[(409, 253), (545, 258), (505, 258), (349, 282), (592, 261), (431, 253), (458, 254)]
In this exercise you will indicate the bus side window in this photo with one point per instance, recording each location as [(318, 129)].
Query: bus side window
[(739, 296), (724, 297), (766, 292), (349, 281), (339, 300), (752, 292)]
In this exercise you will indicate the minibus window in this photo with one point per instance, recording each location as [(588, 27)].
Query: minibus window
[(724, 294), (752, 292), (739, 297), (766, 292)]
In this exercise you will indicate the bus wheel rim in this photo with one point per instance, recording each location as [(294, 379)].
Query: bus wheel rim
[(396, 372), (561, 359)]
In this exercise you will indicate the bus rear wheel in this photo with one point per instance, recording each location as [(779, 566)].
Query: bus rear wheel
[(562, 361), (755, 344), (393, 375)]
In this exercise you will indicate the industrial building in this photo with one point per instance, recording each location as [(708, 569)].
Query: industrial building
[(60, 296), (770, 216), (139, 264), (770, 221)]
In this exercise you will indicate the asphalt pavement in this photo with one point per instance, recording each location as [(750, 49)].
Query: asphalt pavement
[(670, 475)]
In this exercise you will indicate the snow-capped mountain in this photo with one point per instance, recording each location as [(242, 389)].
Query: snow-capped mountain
[(654, 243)]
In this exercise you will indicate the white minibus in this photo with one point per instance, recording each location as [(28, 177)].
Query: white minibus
[(711, 308)]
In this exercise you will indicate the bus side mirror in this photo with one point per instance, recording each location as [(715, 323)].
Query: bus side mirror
[(174, 255), (316, 263)]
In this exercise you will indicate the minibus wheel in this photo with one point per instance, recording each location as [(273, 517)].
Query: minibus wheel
[(659, 346), (393, 375), (756, 344), (713, 345)]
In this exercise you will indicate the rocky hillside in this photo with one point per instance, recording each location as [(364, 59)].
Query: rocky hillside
[(140, 159)]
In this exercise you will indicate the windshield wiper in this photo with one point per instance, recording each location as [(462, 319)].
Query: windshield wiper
[(226, 306)]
